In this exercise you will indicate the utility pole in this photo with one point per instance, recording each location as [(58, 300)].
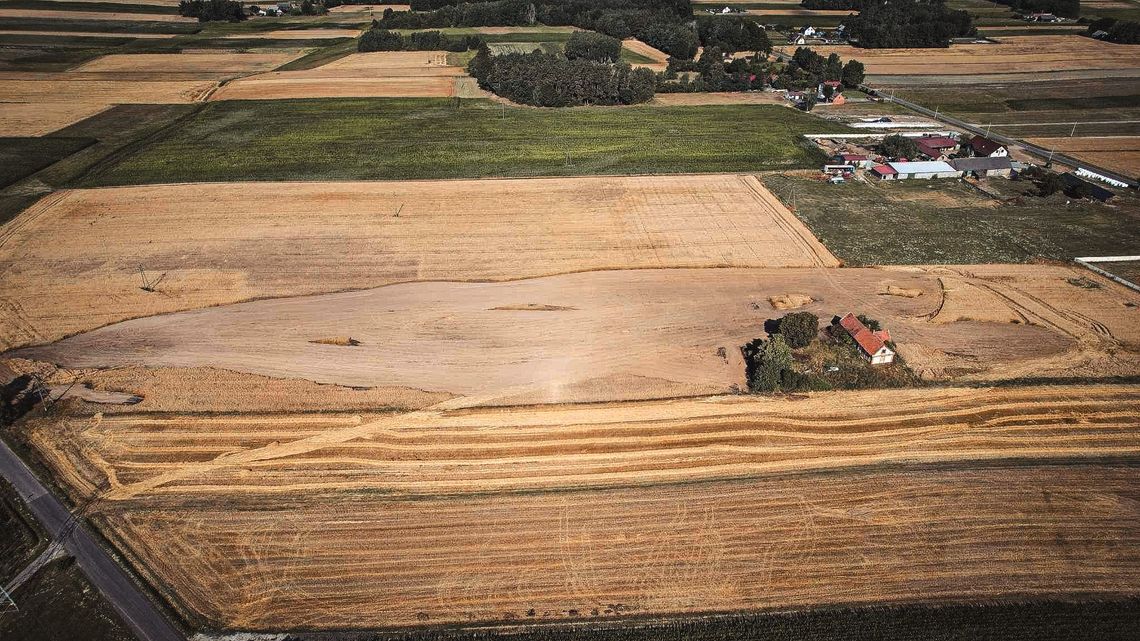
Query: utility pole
[(8, 598), (1074, 131)]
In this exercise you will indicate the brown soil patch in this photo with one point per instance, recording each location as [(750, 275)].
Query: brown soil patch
[(24, 119), (205, 389), (382, 74), (790, 301), (660, 58), (905, 292), (1116, 153), (68, 252), (65, 88), (456, 515), (1021, 54)]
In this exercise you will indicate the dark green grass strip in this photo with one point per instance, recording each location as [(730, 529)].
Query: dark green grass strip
[(109, 7), (22, 157), (101, 26), (376, 139)]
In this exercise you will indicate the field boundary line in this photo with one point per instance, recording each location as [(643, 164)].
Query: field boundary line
[(1088, 263)]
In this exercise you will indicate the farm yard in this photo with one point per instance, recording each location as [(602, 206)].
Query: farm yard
[(340, 344)]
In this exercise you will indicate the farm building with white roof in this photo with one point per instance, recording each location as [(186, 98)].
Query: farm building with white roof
[(924, 169)]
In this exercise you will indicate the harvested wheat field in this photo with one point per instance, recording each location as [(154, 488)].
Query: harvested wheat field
[(719, 98), (1018, 54), (66, 88), (25, 119), (507, 343), (70, 263), (660, 58), (412, 74), (1116, 153), (366, 8), (324, 521), (219, 64), (64, 15)]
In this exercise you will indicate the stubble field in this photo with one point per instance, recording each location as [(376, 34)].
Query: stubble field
[(287, 521), (224, 243), (1116, 153)]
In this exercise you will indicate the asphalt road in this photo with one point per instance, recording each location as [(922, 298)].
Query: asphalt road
[(143, 618)]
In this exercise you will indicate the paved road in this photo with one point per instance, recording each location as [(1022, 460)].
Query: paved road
[(141, 616)]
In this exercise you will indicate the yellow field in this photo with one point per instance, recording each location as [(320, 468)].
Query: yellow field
[(223, 243), (1014, 54), (1116, 153), (23, 119), (218, 64), (413, 74), (324, 521)]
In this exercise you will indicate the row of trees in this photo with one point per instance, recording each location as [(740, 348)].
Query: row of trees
[(908, 24), (731, 34), (212, 10), (714, 74), (549, 80), (1063, 8), (384, 40), (808, 69), (1119, 31)]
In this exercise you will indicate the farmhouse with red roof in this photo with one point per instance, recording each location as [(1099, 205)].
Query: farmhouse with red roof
[(873, 345)]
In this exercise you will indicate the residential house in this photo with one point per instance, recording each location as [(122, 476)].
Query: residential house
[(983, 167), (982, 146), (923, 170), (857, 160), (872, 345)]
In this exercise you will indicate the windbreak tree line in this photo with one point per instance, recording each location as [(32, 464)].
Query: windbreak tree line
[(212, 10), (1124, 32), (661, 24), (549, 80), (908, 24), (1062, 8), (384, 40), (807, 69)]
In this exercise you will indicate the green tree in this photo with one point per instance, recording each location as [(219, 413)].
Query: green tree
[(896, 146), (1049, 183), (588, 45), (772, 358), (853, 73), (799, 329)]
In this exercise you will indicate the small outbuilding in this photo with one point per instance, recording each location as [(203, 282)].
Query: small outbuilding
[(923, 170), (1074, 186), (884, 172), (872, 345), (983, 167)]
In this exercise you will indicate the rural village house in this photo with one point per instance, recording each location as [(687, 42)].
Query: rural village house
[(872, 345), (983, 167), (982, 146)]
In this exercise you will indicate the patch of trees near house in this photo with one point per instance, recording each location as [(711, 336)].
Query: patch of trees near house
[(553, 80), (797, 356), (384, 40), (908, 24)]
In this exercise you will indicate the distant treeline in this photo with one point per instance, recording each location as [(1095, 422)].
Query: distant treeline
[(384, 40), (659, 23), (1063, 8), (833, 5), (212, 10), (1125, 32), (908, 24), (550, 80)]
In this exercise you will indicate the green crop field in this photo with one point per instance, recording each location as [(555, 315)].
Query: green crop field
[(22, 157), (369, 139), (111, 7), (920, 222)]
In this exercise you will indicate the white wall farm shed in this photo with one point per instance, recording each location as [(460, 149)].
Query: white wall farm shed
[(925, 169)]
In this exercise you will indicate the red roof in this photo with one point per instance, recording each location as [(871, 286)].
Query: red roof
[(868, 341), (883, 170), (851, 157), (832, 83), (984, 146), (929, 150), (938, 142)]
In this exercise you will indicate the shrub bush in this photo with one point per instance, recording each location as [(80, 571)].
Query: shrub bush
[(799, 329)]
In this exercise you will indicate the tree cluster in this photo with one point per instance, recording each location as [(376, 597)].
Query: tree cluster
[(833, 5), (897, 146), (714, 74), (807, 69), (661, 24), (1125, 32), (908, 24), (384, 40), (212, 10), (549, 80), (588, 45), (1062, 8), (731, 34)]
